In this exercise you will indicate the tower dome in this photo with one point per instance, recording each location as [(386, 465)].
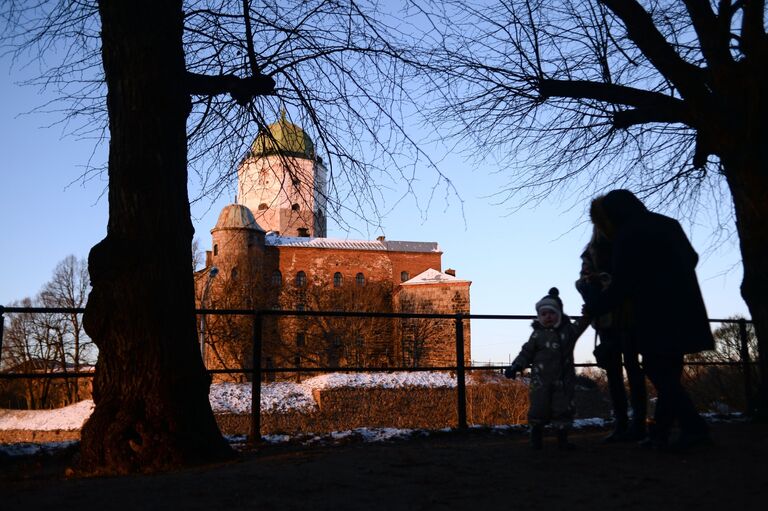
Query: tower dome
[(237, 216), (283, 137)]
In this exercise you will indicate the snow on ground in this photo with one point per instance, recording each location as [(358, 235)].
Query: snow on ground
[(70, 417), (287, 396)]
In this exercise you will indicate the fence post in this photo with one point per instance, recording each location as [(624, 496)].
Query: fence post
[(746, 365), (254, 437), (461, 389), (2, 328)]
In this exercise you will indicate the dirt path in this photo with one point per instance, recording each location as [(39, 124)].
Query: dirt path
[(478, 470)]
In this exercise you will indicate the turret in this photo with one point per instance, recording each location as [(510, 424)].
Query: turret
[(238, 242), (282, 181)]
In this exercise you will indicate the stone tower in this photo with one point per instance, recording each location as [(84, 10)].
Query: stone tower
[(282, 181), (238, 243)]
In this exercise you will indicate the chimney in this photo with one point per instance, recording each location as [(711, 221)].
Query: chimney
[(381, 239), (451, 272), (208, 258)]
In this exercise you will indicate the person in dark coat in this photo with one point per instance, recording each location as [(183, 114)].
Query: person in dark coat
[(653, 266), (617, 349)]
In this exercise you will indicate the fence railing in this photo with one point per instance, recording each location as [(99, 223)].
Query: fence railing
[(258, 372)]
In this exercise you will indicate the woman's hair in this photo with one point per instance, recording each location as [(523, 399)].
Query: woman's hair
[(618, 206), (610, 211)]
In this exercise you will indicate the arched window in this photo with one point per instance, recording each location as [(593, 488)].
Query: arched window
[(404, 276), (300, 338), (233, 274), (215, 250), (301, 279), (277, 278), (295, 207), (360, 279), (263, 206), (338, 279)]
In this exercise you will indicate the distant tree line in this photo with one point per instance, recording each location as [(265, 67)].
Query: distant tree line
[(49, 342)]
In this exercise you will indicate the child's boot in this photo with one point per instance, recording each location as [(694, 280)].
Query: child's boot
[(537, 436), (562, 440)]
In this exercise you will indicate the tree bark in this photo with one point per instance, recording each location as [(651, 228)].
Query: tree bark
[(150, 389), (747, 175)]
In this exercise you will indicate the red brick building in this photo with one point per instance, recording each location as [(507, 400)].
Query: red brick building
[(270, 251)]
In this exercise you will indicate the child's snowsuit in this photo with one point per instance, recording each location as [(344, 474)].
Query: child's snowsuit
[(553, 376)]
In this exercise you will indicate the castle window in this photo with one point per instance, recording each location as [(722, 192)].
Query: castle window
[(303, 232), (301, 279), (215, 250), (300, 307), (336, 341), (360, 279), (404, 276), (277, 278), (263, 206), (337, 279), (359, 341), (233, 274), (295, 207), (300, 338)]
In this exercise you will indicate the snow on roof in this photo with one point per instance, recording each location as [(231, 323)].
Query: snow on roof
[(432, 276), (386, 246)]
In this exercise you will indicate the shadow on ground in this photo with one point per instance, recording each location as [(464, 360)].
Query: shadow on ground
[(481, 469)]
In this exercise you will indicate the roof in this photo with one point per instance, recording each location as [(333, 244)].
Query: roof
[(285, 138), (338, 244), (237, 216), (432, 276)]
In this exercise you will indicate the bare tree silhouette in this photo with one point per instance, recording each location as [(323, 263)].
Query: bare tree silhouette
[(198, 75), (666, 98)]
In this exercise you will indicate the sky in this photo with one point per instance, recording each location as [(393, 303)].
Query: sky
[(511, 256)]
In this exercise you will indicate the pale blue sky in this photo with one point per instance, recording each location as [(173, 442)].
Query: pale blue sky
[(511, 258)]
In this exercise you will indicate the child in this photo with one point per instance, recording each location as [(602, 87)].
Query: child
[(550, 350)]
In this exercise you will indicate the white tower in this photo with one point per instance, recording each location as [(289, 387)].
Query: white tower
[(282, 181)]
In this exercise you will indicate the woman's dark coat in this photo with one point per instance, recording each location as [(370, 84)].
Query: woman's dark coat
[(654, 268)]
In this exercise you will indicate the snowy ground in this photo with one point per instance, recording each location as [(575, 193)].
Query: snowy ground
[(236, 398)]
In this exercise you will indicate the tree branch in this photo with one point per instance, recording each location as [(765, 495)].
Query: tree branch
[(641, 29), (753, 36), (654, 105), (242, 90), (714, 43), (625, 118)]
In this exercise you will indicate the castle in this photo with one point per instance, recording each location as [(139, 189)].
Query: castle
[(270, 251)]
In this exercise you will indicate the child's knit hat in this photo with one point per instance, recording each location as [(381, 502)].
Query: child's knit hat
[(551, 301)]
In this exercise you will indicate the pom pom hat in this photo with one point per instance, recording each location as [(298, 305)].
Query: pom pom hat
[(552, 302)]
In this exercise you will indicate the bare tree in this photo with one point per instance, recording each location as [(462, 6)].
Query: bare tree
[(722, 384), (52, 341), (30, 347), (667, 98), (334, 341), (196, 74), (418, 335)]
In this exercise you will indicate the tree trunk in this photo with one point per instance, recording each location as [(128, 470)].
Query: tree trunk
[(151, 390), (747, 174)]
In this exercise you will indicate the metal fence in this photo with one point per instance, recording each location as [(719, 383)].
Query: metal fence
[(460, 368)]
